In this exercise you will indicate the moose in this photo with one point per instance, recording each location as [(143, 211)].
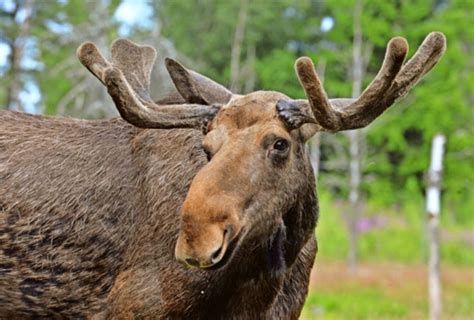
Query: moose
[(198, 206)]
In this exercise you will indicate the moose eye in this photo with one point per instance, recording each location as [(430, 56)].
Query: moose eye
[(281, 145)]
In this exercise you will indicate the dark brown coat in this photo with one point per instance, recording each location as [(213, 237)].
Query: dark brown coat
[(87, 206)]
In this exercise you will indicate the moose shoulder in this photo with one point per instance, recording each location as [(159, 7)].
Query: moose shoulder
[(202, 206)]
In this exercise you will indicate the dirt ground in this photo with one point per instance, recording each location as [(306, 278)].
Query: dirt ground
[(391, 276)]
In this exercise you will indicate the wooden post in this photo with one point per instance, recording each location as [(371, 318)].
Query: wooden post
[(433, 193)]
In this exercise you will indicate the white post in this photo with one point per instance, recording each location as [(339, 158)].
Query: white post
[(433, 209)]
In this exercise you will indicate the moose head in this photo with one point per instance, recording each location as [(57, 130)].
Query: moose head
[(258, 167)]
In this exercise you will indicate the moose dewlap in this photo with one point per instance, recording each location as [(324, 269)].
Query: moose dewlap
[(201, 206)]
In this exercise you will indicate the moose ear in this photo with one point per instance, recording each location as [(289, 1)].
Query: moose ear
[(296, 114), (196, 88)]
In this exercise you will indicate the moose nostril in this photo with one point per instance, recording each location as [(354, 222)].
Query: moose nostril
[(192, 262)]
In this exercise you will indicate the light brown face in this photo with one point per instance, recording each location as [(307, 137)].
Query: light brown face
[(240, 194)]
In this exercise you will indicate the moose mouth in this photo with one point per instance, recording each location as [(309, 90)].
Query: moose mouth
[(274, 255), (226, 254)]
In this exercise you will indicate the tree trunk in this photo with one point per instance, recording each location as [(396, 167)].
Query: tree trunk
[(237, 47), (17, 47), (250, 74), (355, 137), (433, 209)]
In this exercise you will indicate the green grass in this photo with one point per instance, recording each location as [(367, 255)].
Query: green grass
[(354, 303), (461, 302), (360, 300)]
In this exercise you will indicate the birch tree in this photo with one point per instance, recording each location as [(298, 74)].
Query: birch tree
[(433, 208)]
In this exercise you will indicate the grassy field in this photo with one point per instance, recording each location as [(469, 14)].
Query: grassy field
[(391, 279), (385, 291)]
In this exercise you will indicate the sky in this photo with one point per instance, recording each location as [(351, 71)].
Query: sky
[(133, 13)]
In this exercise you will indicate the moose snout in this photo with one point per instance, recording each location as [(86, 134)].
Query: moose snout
[(204, 245)]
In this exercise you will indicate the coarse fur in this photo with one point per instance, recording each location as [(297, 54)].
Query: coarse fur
[(90, 213)]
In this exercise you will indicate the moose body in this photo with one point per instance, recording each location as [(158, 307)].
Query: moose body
[(102, 219), (93, 206)]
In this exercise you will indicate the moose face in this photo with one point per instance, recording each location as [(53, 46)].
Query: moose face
[(251, 178)]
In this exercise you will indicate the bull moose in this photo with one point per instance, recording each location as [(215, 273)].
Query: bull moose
[(199, 206)]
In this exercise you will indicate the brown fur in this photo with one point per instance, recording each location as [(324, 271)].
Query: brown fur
[(90, 214)]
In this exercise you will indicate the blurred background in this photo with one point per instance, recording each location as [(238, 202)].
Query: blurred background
[(373, 231)]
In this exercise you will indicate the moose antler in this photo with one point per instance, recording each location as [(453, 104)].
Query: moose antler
[(127, 79), (194, 87), (393, 81)]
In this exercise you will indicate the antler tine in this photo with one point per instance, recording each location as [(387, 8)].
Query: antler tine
[(127, 80), (182, 81), (93, 60), (152, 116), (357, 113), (136, 63), (424, 59), (322, 110), (194, 87)]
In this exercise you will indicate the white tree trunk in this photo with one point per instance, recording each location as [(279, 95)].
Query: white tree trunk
[(250, 74), (433, 206), (355, 136), (237, 47)]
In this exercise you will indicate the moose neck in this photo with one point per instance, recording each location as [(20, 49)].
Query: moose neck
[(255, 266)]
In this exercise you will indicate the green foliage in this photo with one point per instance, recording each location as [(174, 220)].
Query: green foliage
[(270, 27), (273, 71)]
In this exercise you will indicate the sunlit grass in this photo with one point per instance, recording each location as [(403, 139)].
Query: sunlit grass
[(353, 303)]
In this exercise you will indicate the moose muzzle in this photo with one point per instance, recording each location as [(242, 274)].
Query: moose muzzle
[(207, 230)]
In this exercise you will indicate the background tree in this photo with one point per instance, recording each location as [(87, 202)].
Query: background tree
[(15, 36)]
